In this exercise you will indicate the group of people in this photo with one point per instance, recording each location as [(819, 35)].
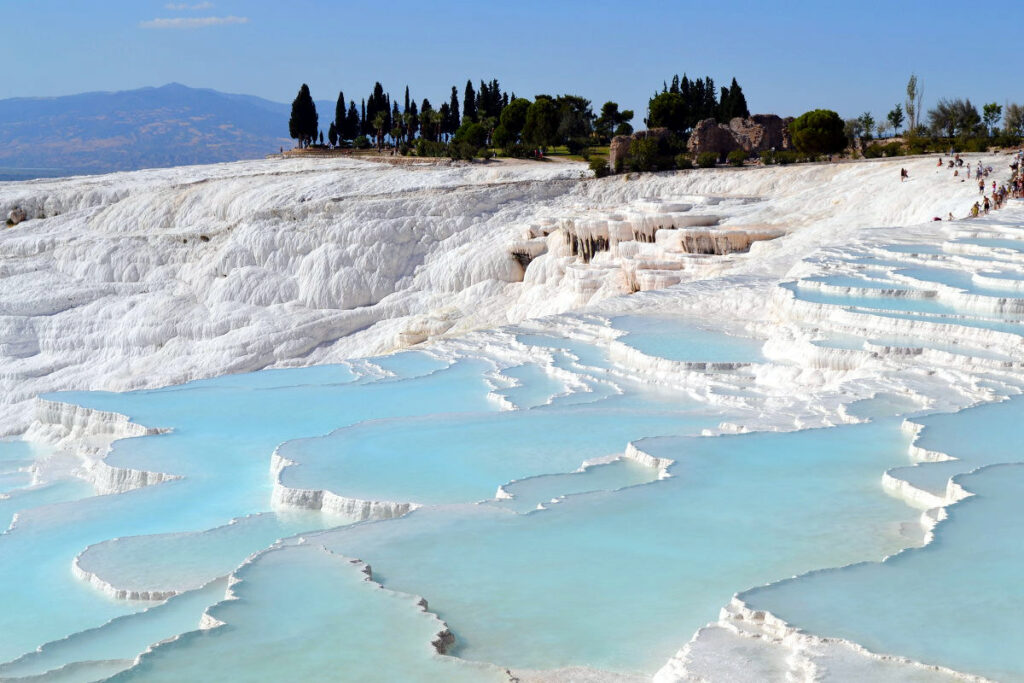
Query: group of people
[(1013, 188), (1000, 193)]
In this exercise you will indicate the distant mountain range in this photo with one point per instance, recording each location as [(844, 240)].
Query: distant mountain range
[(173, 125)]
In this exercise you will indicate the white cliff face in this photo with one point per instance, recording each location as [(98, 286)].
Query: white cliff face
[(143, 279)]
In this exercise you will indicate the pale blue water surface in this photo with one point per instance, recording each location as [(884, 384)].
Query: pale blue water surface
[(610, 566)]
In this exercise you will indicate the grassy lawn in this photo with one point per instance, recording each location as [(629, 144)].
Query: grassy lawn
[(563, 152)]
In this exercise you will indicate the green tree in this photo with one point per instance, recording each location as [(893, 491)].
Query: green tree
[(501, 137), (340, 112), (669, 110), (818, 132), (611, 119), (469, 103), (428, 121), (915, 94), (303, 123), (853, 129), (991, 113), (575, 118), (471, 133), (954, 117), (351, 129), (444, 126), (541, 126), (380, 121), (513, 117), (867, 122), (411, 119), (733, 103), (332, 134), (895, 118), (451, 123), (1013, 119)]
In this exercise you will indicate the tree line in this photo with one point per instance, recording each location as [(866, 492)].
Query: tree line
[(949, 118), (685, 103), (487, 116)]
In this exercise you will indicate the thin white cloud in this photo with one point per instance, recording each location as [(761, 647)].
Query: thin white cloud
[(184, 6), (193, 22)]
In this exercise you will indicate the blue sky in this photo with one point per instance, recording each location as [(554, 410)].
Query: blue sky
[(789, 56)]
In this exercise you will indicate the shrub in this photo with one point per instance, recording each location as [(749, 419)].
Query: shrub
[(873, 151), (707, 159), (893, 149), (361, 142), (684, 162), (737, 157), (462, 150), (427, 148), (818, 132), (768, 157), (972, 144), (599, 165), (918, 145), (518, 150), (786, 157), (578, 146), (473, 134), (501, 137), (643, 154), (1006, 140)]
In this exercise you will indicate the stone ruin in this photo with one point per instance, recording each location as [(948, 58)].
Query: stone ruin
[(754, 134), (757, 133)]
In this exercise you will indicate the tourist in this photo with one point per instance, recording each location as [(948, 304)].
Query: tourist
[(986, 205), (974, 210), (903, 174)]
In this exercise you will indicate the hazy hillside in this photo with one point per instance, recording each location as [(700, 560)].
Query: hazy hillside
[(114, 131)]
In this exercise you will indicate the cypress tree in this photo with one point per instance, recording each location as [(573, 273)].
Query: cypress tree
[(303, 123), (496, 100), (406, 108), (469, 103), (445, 112), (426, 119), (675, 84), (710, 105), (483, 101), (332, 134), (364, 125), (352, 124), (339, 113), (412, 121), (375, 104), (395, 119), (738, 101), (453, 112)]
